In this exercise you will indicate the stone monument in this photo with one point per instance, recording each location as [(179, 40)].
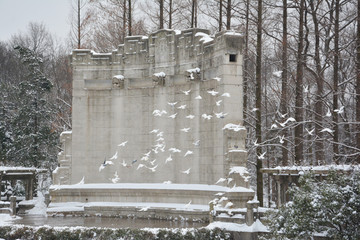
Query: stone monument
[(158, 122)]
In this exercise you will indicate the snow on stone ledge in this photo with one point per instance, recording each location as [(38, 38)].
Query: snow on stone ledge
[(65, 132), (242, 171), (204, 37), (193, 70), (235, 227), (233, 127), (120, 77), (320, 168), (233, 33), (160, 74)]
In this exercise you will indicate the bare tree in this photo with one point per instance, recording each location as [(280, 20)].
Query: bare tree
[(358, 80), (80, 19)]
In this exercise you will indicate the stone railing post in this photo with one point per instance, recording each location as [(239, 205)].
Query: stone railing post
[(13, 205), (211, 212), (47, 199), (249, 217)]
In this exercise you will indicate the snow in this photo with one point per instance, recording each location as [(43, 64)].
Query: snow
[(205, 38), (242, 171), (5, 219), (177, 32), (120, 77), (257, 226), (233, 33), (40, 206), (160, 74), (203, 187), (233, 127), (193, 70), (320, 168)]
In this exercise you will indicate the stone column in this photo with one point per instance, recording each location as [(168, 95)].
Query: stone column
[(249, 217), (278, 186), (13, 205)]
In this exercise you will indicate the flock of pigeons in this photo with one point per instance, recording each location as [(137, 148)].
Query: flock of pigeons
[(146, 161)]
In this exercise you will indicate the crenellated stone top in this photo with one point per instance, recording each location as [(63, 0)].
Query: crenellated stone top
[(168, 51)]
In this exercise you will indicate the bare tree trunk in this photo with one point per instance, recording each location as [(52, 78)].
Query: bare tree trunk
[(194, 14), (124, 21), (161, 14), (130, 18), (228, 15), (358, 81), (170, 14), (79, 25), (299, 111), (259, 176), (336, 82), (246, 60), (284, 77), (319, 110), (220, 15)]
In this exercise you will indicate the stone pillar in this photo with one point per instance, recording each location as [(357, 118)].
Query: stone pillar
[(13, 205), (278, 186), (249, 217), (47, 199)]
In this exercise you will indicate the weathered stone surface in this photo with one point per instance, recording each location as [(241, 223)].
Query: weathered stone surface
[(114, 99)]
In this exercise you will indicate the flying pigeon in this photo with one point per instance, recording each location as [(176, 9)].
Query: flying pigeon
[(187, 92), (190, 116), (122, 144), (186, 171)]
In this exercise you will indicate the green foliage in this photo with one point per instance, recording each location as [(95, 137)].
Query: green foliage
[(330, 207), (26, 132), (21, 232)]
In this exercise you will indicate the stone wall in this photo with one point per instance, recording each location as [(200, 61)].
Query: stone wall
[(115, 96)]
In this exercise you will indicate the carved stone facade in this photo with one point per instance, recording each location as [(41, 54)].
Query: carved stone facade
[(170, 90)]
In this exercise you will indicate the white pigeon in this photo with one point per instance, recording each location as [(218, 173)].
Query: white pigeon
[(328, 114), (185, 130), (188, 153), (255, 143), (102, 166), (144, 158), (217, 79), (173, 116), (108, 162), (167, 182), (154, 131), (144, 209), (261, 156), (187, 92), (220, 180), (205, 116), (124, 163), (187, 205), (327, 130), (273, 126), (160, 139), (174, 150), (160, 134), (153, 169), (186, 171), (140, 166), (182, 106), (122, 144), (306, 88), (225, 94), (218, 102), (153, 162), (219, 194), (220, 114), (340, 110), (281, 139), (115, 156), (198, 97), (290, 119), (254, 110), (169, 159), (159, 113), (196, 143), (172, 103), (116, 178), (213, 92), (310, 132), (82, 181), (282, 115), (190, 116)]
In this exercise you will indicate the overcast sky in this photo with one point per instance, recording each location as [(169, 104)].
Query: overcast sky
[(15, 16)]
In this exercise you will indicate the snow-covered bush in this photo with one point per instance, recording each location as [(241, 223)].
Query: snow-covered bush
[(328, 208)]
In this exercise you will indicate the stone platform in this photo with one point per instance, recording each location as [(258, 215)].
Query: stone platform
[(144, 200)]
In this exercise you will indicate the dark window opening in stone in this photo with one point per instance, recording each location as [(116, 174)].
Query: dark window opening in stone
[(232, 57)]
